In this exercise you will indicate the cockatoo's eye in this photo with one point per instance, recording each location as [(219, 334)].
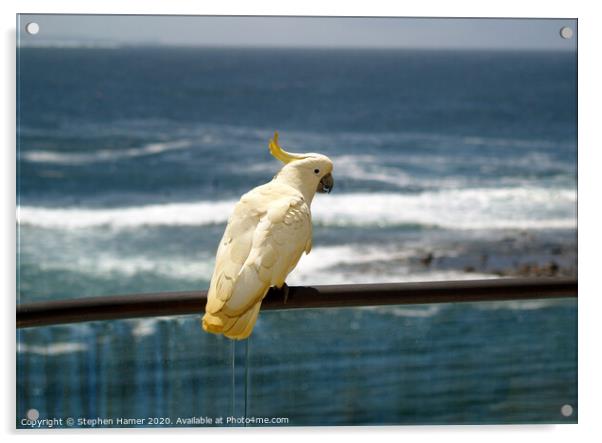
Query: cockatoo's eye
[(316, 171)]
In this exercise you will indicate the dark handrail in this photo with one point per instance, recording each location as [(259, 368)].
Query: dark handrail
[(332, 296)]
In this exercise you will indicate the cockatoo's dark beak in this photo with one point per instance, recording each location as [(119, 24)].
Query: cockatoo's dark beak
[(326, 184)]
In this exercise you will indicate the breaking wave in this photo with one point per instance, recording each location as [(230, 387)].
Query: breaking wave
[(505, 208), (78, 158), (324, 265)]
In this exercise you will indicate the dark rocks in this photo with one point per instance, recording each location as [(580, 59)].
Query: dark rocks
[(550, 269), (427, 259)]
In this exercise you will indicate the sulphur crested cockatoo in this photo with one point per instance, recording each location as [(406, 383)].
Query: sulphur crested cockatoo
[(267, 233)]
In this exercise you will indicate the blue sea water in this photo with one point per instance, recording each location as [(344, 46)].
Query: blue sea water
[(448, 165)]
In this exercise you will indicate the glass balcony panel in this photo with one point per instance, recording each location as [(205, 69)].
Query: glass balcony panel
[(139, 368), (495, 362), (453, 363)]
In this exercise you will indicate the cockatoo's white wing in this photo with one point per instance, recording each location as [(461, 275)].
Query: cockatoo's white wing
[(265, 237)]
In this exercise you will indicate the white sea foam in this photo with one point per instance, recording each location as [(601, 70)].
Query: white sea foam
[(505, 208), (519, 305), (107, 265), (324, 265), (400, 274), (143, 327), (370, 168), (170, 214), (318, 264), (78, 158), (408, 311), (52, 349)]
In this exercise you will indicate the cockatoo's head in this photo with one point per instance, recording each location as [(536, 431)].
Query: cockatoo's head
[(311, 170)]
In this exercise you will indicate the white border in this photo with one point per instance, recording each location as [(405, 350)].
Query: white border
[(590, 146)]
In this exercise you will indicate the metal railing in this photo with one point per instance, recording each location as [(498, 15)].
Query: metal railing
[(332, 296)]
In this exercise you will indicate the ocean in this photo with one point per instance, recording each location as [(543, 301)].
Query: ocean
[(448, 165)]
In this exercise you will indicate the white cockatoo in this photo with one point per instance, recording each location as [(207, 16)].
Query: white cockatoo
[(267, 233)]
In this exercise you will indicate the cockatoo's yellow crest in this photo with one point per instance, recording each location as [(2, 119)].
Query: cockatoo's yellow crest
[(281, 154)]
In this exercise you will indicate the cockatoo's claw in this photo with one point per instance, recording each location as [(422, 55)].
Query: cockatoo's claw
[(284, 290)]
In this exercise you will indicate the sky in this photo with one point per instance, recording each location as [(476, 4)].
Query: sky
[(321, 32)]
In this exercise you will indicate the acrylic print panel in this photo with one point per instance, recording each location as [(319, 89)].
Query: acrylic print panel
[(453, 144)]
